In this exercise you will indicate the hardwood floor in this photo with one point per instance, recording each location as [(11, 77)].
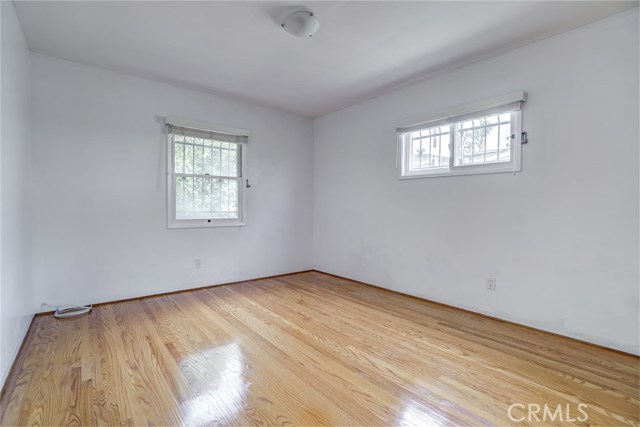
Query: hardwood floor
[(308, 349)]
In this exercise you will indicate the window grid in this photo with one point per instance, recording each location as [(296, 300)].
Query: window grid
[(207, 177), (196, 151), (472, 142), (434, 139)]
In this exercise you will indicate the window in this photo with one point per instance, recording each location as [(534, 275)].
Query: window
[(205, 176), (477, 138)]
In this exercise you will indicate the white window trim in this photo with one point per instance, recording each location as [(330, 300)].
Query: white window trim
[(453, 115), (172, 222)]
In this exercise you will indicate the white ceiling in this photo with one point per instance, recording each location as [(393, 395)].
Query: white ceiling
[(362, 49)]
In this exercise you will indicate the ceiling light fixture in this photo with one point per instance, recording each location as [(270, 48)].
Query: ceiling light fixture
[(301, 24)]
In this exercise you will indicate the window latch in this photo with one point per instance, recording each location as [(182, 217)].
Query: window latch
[(247, 184), (523, 138)]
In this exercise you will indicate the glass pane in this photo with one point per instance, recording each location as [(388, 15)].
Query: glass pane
[(198, 152), (188, 159), (504, 152), (443, 150), (179, 194), (179, 158), (416, 153), (224, 158), (492, 120), (429, 148), (186, 208), (484, 140), (206, 157), (206, 198), (464, 147), (207, 161), (491, 144), (233, 160), (216, 159), (216, 194), (224, 196), (199, 202), (233, 191)]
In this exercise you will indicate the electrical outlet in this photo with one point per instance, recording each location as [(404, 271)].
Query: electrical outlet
[(198, 263), (491, 283)]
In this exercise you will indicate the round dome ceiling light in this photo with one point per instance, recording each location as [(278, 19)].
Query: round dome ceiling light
[(301, 24)]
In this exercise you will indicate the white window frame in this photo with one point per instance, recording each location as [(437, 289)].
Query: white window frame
[(511, 102), (172, 221)]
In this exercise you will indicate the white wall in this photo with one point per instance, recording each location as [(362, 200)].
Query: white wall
[(99, 189), (16, 306), (561, 237)]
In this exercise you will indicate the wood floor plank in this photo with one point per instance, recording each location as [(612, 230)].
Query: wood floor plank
[(629, 375), (268, 364), (491, 380), (308, 349)]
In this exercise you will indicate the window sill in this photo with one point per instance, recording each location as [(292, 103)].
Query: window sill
[(461, 173), (206, 224)]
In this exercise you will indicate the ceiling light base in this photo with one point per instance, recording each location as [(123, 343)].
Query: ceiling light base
[(301, 23)]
